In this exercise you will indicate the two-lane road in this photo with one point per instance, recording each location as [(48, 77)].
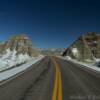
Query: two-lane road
[(53, 79)]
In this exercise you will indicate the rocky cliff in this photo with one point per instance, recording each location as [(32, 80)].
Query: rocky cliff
[(21, 43), (86, 47)]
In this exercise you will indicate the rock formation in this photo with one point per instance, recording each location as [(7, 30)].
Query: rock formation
[(86, 47), (21, 43)]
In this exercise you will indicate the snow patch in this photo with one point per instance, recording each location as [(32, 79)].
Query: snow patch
[(14, 71), (75, 52), (7, 55), (11, 59), (97, 59), (68, 57)]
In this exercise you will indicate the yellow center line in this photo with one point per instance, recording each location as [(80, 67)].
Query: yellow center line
[(57, 90)]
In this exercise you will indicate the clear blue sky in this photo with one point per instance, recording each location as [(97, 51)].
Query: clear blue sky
[(49, 23)]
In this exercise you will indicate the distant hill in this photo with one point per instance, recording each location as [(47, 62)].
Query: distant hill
[(52, 51), (86, 47)]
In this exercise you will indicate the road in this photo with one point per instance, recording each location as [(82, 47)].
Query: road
[(53, 79)]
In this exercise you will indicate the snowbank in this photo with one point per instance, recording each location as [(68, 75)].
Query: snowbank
[(92, 66), (9, 73), (11, 59)]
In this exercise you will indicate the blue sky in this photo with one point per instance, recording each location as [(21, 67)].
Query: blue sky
[(49, 23)]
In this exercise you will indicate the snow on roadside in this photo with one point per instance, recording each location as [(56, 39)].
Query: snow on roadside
[(11, 59), (90, 65), (9, 73)]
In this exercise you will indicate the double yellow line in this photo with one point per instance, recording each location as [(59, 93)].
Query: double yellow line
[(57, 90)]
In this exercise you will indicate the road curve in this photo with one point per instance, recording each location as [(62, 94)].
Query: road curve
[(53, 79)]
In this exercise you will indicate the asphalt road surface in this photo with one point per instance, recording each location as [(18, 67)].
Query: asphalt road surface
[(52, 79)]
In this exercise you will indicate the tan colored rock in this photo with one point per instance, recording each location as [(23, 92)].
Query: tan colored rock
[(88, 46)]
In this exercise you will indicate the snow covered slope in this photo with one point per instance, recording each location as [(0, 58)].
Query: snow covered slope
[(9, 73), (11, 59)]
